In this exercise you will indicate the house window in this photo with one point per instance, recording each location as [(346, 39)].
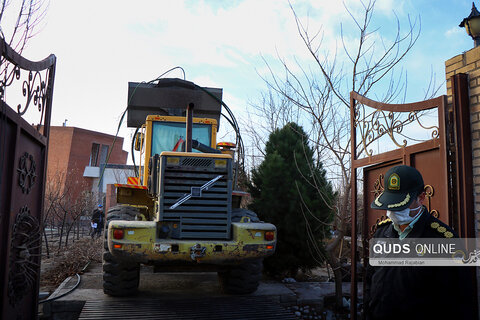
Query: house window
[(94, 155), (103, 154)]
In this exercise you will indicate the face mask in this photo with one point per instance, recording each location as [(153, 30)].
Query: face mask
[(402, 217)]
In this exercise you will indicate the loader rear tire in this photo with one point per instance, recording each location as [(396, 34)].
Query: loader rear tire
[(241, 279), (239, 213), (120, 277), (120, 212)]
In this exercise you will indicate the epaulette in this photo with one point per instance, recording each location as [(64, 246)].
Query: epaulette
[(381, 223), (441, 229)]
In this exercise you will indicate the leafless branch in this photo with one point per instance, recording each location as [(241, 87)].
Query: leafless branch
[(319, 92)]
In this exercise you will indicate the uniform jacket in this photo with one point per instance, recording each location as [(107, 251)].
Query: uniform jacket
[(414, 292), (97, 217)]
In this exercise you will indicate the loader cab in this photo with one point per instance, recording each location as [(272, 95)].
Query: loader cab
[(167, 133)]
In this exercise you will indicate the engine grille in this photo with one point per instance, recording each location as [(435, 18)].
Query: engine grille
[(200, 217)]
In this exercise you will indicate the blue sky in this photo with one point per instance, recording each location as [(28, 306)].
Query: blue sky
[(101, 45)]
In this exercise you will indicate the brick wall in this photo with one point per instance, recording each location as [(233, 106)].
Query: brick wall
[(469, 63), (58, 152), (110, 197), (69, 154)]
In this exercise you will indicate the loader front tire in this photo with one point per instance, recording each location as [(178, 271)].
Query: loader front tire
[(120, 277), (243, 278)]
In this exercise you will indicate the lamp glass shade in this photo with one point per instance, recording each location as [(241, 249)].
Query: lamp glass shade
[(473, 27)]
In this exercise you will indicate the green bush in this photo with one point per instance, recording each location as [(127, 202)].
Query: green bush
[(286, 191)]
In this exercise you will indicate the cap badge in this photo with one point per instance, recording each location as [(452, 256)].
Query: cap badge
[(394, 182)]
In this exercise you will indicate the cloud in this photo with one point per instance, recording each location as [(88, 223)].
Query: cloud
[(101, 45), (454, 32), (206, 81), (220, 36), (388, 7)]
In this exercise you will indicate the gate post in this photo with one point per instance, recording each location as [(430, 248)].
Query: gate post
[(463, 156), (463, 92), (353, 214)]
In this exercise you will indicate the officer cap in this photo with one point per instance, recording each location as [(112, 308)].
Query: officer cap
[(402, 184)]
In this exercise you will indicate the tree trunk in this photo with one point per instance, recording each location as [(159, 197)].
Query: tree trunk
[(61, 233), (67, 234), (46, 243), (331, 248), (334, 262), (71, 226)]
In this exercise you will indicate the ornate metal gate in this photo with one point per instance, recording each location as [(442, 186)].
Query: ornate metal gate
[(426, 135), (23, 162)]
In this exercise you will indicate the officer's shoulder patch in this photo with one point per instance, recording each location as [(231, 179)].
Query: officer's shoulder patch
[(384, 222), (442, 229)]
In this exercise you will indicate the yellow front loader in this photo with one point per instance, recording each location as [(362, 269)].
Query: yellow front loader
[(182, 212)]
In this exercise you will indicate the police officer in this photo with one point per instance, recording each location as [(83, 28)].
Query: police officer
[(414, 292)]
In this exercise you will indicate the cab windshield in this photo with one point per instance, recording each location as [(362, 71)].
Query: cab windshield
[(170, 136)]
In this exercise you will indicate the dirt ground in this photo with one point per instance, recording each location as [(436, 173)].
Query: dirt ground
[(68, 261), (319, 274)]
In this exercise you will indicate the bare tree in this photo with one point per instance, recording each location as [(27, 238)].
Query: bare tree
[(320, 92), (53, 195), (65, 202), (121, 175), (73, 210), (29, 14), (19, 22), (275, 111)]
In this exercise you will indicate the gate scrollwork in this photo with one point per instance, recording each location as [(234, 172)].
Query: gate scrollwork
[(26, 172), (25, 248), (373, 124), (33, 90)]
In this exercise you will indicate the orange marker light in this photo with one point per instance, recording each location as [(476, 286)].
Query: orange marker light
[(269, 247), (117, 246)]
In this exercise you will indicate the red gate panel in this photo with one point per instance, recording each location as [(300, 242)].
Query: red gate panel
[(23, 156), (372, 121), (434, 177)]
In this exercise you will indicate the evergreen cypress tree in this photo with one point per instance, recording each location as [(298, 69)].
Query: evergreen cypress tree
[(283, 193)]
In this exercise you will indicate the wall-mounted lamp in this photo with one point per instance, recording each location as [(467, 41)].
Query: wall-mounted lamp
[(472, 25)]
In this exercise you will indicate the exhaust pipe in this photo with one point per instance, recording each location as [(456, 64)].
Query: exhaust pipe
[(189, 125)]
